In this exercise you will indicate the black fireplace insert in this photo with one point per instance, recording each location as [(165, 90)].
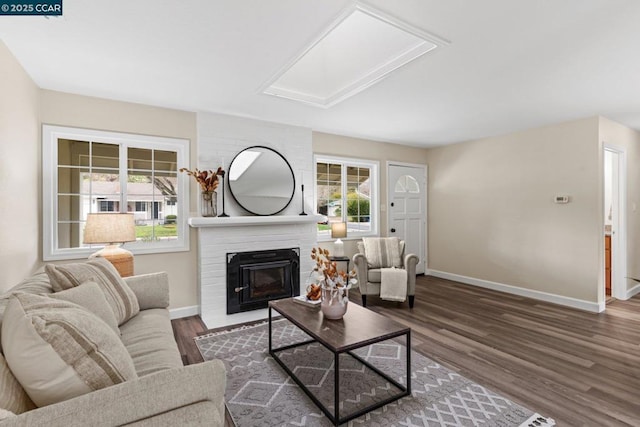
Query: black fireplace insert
[(255, 278)]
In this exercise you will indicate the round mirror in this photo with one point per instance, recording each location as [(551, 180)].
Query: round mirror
[(261, 181)]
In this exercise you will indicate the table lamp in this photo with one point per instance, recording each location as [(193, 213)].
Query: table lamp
[(338, 231), (112, 229)]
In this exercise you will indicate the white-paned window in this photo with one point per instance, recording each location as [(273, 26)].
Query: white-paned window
[(346, 191), (89, 171)]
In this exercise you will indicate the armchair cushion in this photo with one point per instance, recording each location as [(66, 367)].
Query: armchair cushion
[(382, 252)]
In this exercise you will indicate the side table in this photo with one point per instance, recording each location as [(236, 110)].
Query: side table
[(342, 262)]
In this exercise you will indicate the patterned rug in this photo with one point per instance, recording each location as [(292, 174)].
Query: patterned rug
[(260, 393)]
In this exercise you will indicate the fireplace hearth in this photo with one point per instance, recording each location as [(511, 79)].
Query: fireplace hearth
[(257, 277)]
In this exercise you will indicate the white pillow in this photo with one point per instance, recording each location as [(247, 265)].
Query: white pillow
[(58, 350)]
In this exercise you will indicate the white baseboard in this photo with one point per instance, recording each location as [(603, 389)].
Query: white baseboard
[(529, 293), (178, 313), (633, 291)]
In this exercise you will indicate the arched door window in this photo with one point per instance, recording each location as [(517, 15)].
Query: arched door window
[(407, 184)]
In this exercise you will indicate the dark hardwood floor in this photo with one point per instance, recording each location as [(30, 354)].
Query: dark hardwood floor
[(577, 367)]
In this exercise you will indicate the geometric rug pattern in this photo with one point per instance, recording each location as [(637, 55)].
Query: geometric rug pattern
[(260, 393)]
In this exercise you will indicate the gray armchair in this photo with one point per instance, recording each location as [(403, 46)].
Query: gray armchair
[(369, 278)]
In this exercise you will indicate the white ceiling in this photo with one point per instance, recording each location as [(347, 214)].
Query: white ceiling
[(510, 65)]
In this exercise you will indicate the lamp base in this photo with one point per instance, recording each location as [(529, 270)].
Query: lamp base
[(338, 248), (121, 259)]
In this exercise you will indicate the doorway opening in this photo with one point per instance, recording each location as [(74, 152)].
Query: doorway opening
[(615, 254)]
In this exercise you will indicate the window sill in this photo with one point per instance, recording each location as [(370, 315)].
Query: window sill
[(358, 237), (76, 254)]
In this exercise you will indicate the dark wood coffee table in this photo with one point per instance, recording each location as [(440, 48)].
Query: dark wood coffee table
[(359, 328)]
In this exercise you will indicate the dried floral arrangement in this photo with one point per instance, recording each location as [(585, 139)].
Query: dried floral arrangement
[(207, 179), (327, 274)]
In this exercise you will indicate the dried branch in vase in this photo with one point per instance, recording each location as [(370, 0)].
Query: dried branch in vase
[(207, 179), (327, 271)]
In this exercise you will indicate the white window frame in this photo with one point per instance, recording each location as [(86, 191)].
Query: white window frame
[(50, 136), (374, 166)]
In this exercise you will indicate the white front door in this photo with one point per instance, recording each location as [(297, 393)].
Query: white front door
[(407, 208)]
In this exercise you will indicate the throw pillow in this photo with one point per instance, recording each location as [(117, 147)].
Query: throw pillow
[(38, 283), (58, 350), (382, 252), (119, 295), (90, 296)]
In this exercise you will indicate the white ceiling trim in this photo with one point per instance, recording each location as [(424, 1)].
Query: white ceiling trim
[(429, 43)]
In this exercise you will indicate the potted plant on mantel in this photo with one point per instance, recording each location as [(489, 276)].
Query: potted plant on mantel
[(334, 285), (208, 181)]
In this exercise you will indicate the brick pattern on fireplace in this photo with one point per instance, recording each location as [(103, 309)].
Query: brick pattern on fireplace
[(215, 243)]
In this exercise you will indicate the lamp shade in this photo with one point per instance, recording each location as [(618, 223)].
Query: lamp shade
[(109, 228), (338, 230)]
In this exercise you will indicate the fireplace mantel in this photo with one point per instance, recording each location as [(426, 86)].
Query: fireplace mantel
[(235, 221)]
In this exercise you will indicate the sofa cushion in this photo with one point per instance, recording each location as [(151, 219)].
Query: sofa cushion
[(149, 340), (58, 350), (382, 252), (4, 414), (12, 396), (120, 297), (90, 296)]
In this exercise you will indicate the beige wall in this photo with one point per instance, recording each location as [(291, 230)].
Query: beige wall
[(337, 145), (65, 109), (621, 136), (491, 212), (492, 217), (19, 172)]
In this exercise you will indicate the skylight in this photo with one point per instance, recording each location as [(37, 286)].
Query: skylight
[(360, 48)]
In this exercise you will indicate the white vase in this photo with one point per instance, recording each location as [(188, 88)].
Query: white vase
[(334, 302)]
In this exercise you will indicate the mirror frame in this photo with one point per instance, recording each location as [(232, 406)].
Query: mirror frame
[(290, 170)]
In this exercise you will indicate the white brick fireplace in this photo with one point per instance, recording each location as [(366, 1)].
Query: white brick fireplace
[(219, 236), (220, 139)]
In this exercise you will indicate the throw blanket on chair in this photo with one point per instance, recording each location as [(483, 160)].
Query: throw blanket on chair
[(393, 284)]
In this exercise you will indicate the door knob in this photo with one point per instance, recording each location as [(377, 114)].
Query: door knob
[(393, 230), (392, 204)]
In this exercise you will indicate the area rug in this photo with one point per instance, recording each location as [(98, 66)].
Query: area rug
[(260, 393)]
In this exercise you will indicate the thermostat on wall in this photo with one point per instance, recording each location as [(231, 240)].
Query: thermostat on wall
[(561, 199)]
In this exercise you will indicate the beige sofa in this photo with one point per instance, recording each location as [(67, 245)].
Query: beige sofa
[(165, 392)]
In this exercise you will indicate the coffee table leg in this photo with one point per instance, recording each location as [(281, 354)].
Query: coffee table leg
[(336, 386), (409, 362), (270, 345)]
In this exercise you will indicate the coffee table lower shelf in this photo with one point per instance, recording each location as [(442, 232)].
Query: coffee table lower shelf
[(335, 417)]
